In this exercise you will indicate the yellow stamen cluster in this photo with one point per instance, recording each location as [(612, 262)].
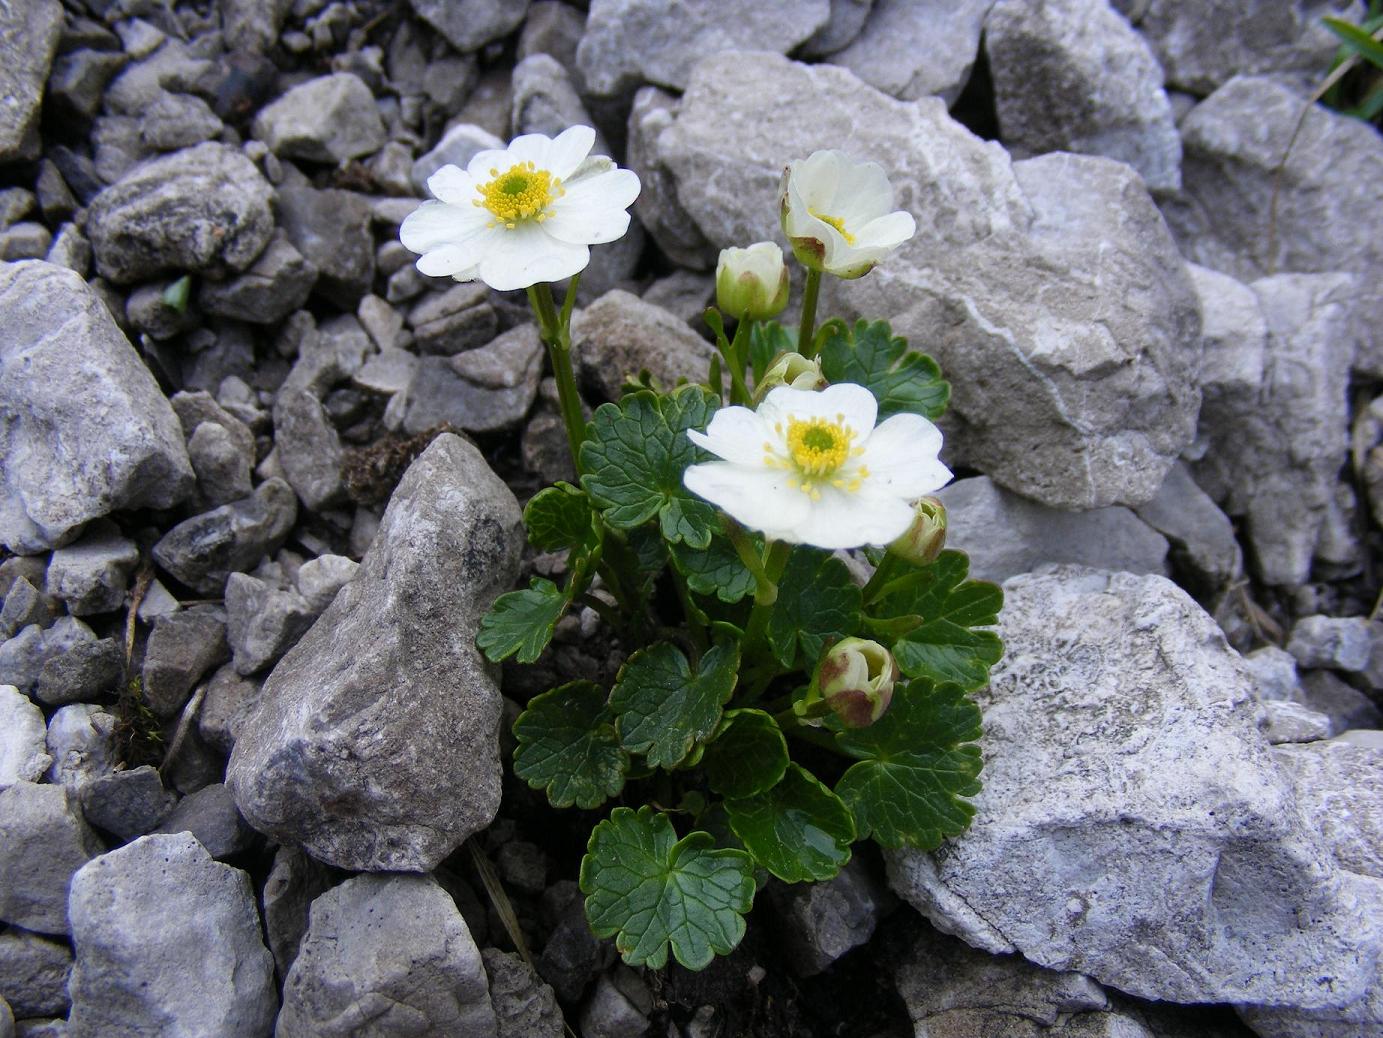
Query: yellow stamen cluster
[(837, 222), (522, 192), (817, 449)]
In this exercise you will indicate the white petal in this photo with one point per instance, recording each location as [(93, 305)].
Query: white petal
[(864, 194), (901, 458), (446, 261), (839, 519), (531, 147), (454, 186), (526, 256), (818, 178), (760, 498), (845, 401), (887, 231), (569, 148), (434, 224), (486, 165), (736, 434), (592, 212)]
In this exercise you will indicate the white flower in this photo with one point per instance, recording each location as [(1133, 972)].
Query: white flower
[(812, 468), (752, 282), (838, 214), (524, 215)]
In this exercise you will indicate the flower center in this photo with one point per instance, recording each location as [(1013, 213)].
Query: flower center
[(837, 222), (521, 193)]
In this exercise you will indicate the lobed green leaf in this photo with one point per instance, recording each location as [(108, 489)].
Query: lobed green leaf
[(817, 604), (871, 355), (664, 707), (748, 756), (567, 745), (799, 830), (560, 516), (716, 569), (520, 623)]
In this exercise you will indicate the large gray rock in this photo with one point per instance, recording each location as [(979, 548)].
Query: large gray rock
[(386, 956), (1274, 426), (1051, 64), (43, 841), (1134, 826), (28, 40), (375, 743), (1005, 534), (23, 735), (1076, 389), (203, 209), (1201, 45), (168, 943), (328, 119), (1325, 217), (620, 335), (631, 42), (1341, 787), (204, 550), (84, 429), (917, 48), (470, 24)]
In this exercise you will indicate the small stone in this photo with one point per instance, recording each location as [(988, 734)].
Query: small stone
[(619, 335), (385, 953), (1343, 643), (43, 841), (328, 119), (181, 648), (483, 390), (177, 121), (294, 882), (331, 229), (545, 450), (1344, 704), (823, 921), (458, 146), (79, 79), (523, 866), (28, 39), (277, 283), (23, 733), (168, 941), (127, 804), (309, 448), (202, 209), (683, 293), (24, 656), (263, 622), (450, 322), (573, 956), (321, 578), (91, 574), (552, 28), (211, 816), (81, 741), (33, 974), (195, 408), (524, 1006), (83, 672), (843, 28), (609, 1014), (470, 24), (1202, 537), (381, 321), (24, 241), (388, 372), (253, 26), (70, 249), (148, 312), (1005, 534), (17, 203), (26, 605), (202, 551), (229, 698), (1284, 722), (223, 469), (1274, 673)]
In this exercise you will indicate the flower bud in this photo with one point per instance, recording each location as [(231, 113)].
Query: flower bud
[(855, 679), (789, 369), (752, 282), (922, 542)]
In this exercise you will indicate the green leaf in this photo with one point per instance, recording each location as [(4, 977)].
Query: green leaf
[(919, 760), (664, 707), (635, 458), (651, 892), (799, 830), (176, 295), (560, 516), (767, 339), (521, 622), (567, 745), (817, 603), (716, 569), (749, 755), (1357, 40), (870, 354), (945, 647)]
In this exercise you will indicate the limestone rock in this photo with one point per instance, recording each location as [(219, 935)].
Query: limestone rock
[(1051, 63), (129, 803), (524, 1006), (470, 24), (23, 734), (632, 42), (916, 48), (43, 841), (33, 974), (820, 922), (620, 335), (28, 40), (202, 209), (91, 574), (382, 956), (1133, 825), (263, 622), (328, 119), (204, 550), (275, 285), (86, 430), (81, 741), (1076, 389), (168, 942), (1204, 548), (480, 390), (294, 882), (182, 647), (374, 745)]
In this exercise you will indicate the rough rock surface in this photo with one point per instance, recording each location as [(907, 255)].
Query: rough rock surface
[(23, 756), (29, 35), (386, 956), (33, 974), (203, 209), (328, 119), (820, 922), (1077, 388), (204, 550), (168, 942), (84, 429), (90, 574), (1050, 61), (1005, 534), (631, 42), (374, 744), (1134, 826), (524, 1006), (914, 48), (470, 24), (619, 335), (43, 841)]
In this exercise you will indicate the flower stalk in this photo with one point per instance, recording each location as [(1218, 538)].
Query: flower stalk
[(555, 331), (807, 330)]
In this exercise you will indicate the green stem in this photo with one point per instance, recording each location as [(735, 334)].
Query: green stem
[(808, 328), (555, 331), (882, 572), (739, 351), (696, 619), (775, 561), (744, 548)]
